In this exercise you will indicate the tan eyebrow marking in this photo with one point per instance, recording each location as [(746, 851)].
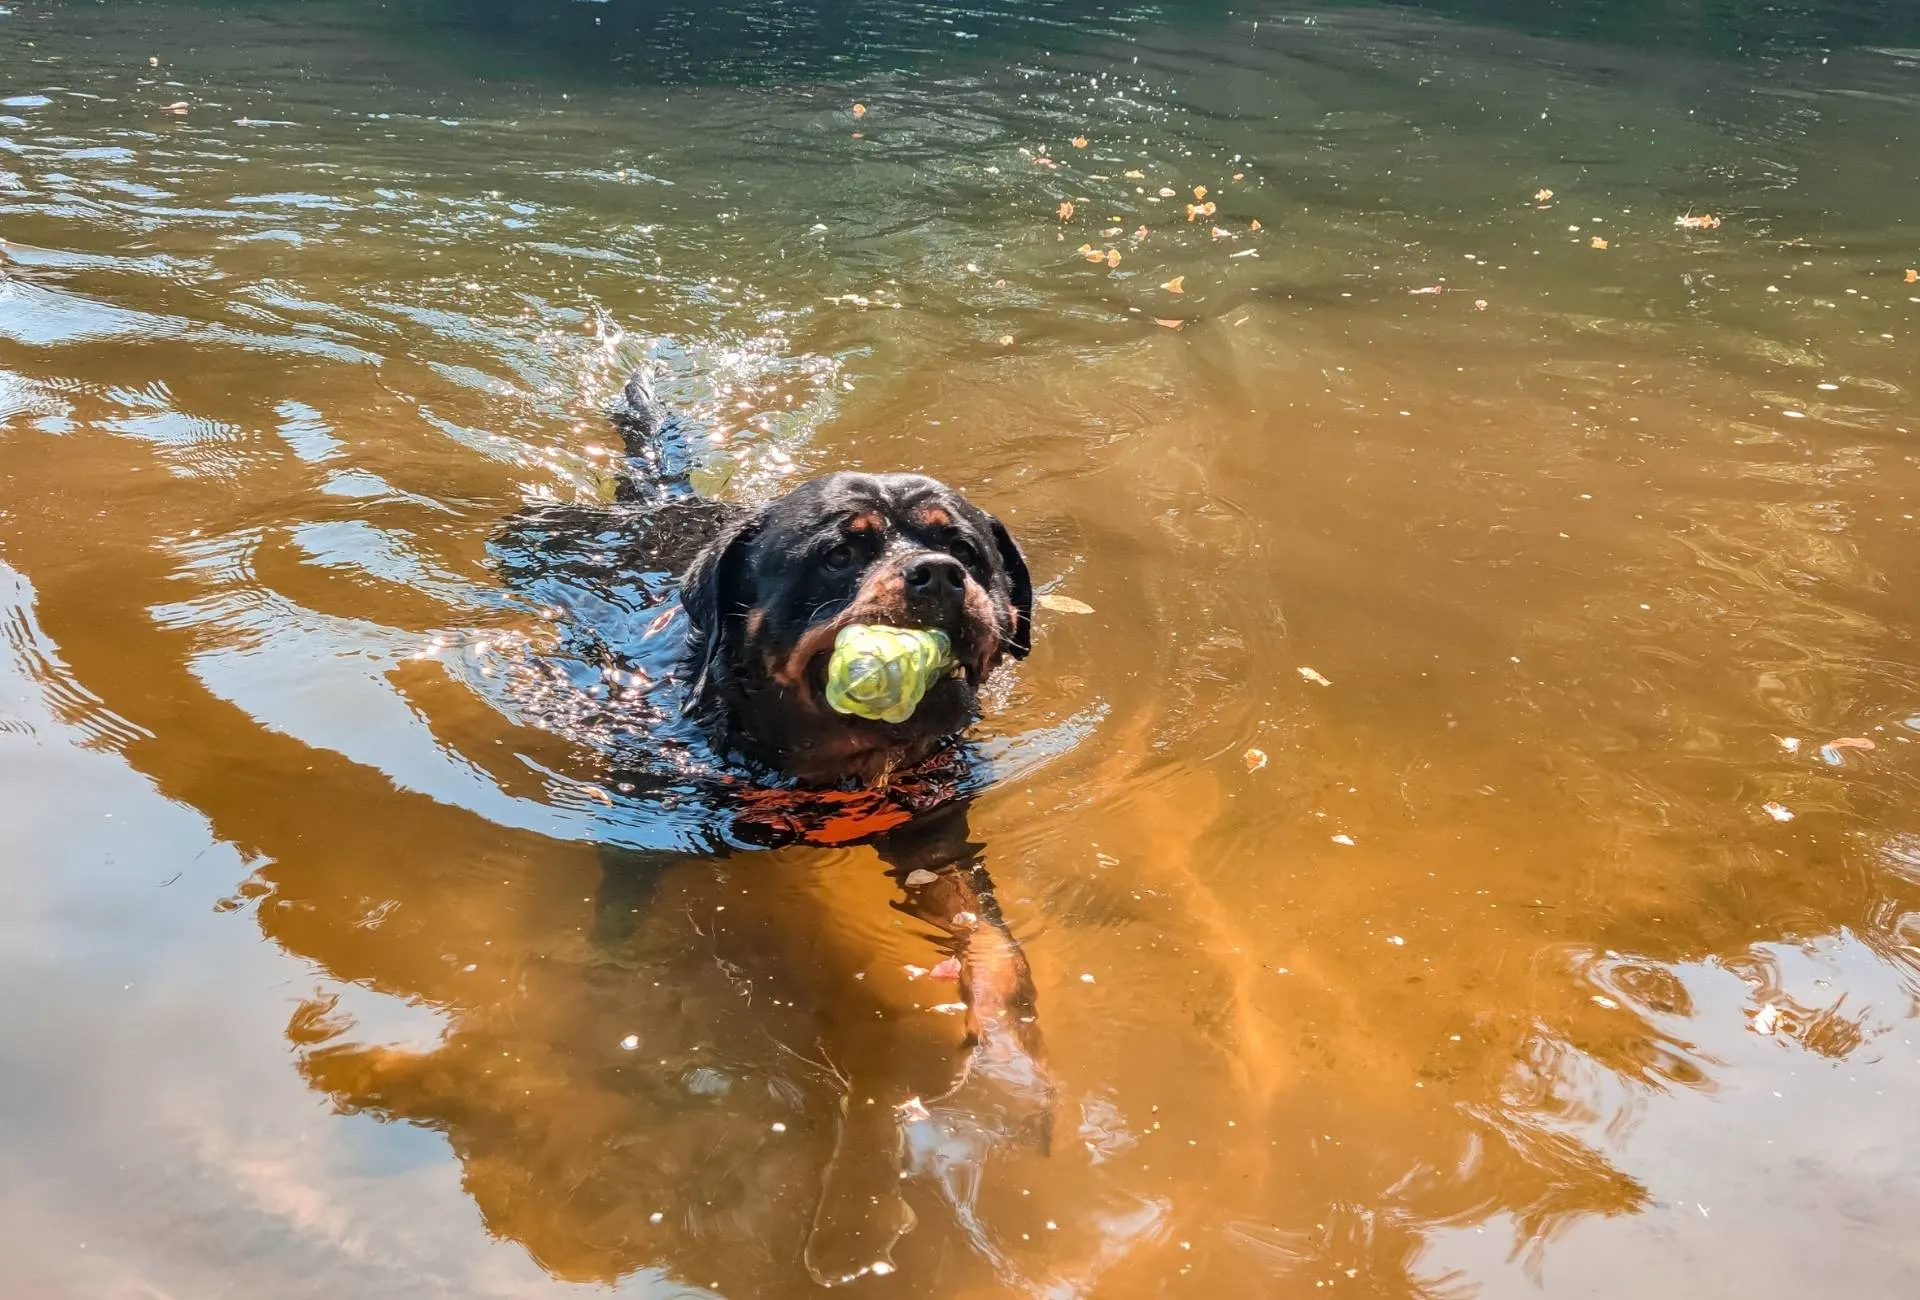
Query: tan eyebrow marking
[(932, 517), (866, 522)]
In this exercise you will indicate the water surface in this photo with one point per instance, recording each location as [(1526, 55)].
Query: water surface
[(1566, 942)]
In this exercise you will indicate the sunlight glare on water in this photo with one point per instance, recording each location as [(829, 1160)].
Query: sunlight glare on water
[(1460, 809)]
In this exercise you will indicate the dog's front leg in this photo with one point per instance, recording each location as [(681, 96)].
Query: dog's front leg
[(946, 886), (1000, 1084)]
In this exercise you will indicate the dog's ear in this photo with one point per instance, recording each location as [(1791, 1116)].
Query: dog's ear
[(1016, 566), (715, 592)]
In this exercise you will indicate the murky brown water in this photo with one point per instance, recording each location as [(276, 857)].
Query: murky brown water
[(1499, 978)]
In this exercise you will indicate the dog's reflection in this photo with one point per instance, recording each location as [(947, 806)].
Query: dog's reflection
[(716, 1067)]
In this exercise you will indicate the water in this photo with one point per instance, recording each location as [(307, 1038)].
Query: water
[(1498, 978)]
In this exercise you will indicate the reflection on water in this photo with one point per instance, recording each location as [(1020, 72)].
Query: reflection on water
[(1567, 939)]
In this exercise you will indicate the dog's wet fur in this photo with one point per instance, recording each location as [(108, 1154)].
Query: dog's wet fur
[(771, 588)]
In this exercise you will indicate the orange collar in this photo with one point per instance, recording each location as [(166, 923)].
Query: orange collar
[(834, 817)]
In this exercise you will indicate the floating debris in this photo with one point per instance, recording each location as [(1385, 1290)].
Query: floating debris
[(1176, 285), (859, 110), (1314, 677), (1765, 1020), (1778, 811), (1079, 142), (1344, 840), (1830, 752), (1705, 221), (1597, 242), (947, 969), (1062, 604), (1255, 759), (920, 876), (1543, 196), (1065, 210)]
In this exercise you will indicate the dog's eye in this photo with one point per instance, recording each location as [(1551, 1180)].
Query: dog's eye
[(839, 558), (965, 552)]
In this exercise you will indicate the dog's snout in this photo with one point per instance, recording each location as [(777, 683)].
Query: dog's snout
[(935, 575)]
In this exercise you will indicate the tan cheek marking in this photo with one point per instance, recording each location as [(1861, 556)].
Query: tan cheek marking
[(933, 517), (756, 623), (979, 607)]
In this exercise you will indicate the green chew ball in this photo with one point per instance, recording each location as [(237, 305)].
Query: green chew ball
[(882, 673)]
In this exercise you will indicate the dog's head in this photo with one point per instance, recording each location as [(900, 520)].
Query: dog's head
[(767, 599)]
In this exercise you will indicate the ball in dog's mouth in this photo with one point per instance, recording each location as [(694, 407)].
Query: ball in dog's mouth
[(882, 673)]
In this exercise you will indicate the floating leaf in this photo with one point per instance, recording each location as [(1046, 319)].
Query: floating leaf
[(1135, 175), (1239, 176), (1166, 193), (1705, 221), (1479, 304), (859, 110), (1176, 285), (1598, 242), (1199, 192), (947, 969), (1113, 257), (1006, 340), (1912, 275), (920, 876), (1542, 196), (1313, 677), (1430, 289), (1778, 811), (1062, 604), (1255, 225), (1255, 759), (1346, 840), (1079, 142), (1218, 233), (1168, 324), (1140, 234), (1065, 210)]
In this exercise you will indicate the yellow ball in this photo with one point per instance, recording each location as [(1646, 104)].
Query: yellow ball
[(882, 673)]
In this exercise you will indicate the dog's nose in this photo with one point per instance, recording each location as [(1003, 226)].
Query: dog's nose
[(936, 576)]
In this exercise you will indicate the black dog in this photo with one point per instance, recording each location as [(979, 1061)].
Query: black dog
[(742, 662)]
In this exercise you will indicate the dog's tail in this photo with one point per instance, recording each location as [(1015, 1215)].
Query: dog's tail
[(660, 459)]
